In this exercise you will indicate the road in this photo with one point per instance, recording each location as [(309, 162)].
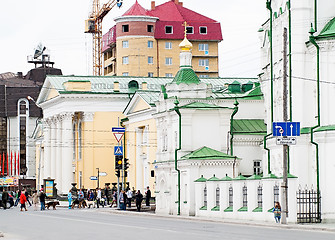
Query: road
[(105, 224)]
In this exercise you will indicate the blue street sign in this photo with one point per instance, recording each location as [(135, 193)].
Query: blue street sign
[(118, 150), (286, 129), (94, 178), (118, 129)]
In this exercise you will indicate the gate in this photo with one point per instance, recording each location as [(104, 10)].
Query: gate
[(309, 206)]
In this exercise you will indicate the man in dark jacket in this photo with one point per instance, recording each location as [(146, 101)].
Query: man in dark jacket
[(42, 200), (138, 200), (147, 196), (4, 199)]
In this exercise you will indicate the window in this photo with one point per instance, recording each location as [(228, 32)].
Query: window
[(125, 60), (203, 62), (189, 30), (168, 74), (275, 194), (257, 167), (150, 28), (168, 29), (203, 76), (260, 196), (245, 196), (168, 61), (205, 197), (150, 60), (217, 197), (168, 45), (230, 197), (125, 74), (150, 74), (125, 28), (125, 44), (152, 173), (203, 46), (150, 44), (203, 30)]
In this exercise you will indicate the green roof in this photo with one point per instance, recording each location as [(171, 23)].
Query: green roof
[(329, 30), (254, 177), (201, 105), (249, 126), (269, 176), (206, 153), (240, 177), (226, 178), (186, 75), (213, 178), (201, 179)]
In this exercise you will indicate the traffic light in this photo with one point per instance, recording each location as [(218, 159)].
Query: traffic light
[(125, 173), (117, 173), (118, 162), (126, 163)]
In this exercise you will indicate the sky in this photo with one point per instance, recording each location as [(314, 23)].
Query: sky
[(59, 25)]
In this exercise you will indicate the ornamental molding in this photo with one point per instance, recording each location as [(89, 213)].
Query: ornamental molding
[(245, 141), (88, 117)]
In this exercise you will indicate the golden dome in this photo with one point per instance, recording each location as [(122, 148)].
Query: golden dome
[(185, 45)]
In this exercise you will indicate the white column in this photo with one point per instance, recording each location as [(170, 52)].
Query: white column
[(67, 152), (59, 145), (53, 147), (47, 149)]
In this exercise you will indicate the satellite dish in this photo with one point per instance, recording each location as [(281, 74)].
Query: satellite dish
[(39, 50)]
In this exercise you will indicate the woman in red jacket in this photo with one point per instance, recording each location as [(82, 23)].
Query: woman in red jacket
[(23, 201)]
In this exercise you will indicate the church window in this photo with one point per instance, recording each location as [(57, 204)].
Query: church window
[(133, 86), (257, 167), (230, 196), (168, 29), (203, 46), (245, 196), (260, 196), (217, 196), (203, 30), (205, 197)]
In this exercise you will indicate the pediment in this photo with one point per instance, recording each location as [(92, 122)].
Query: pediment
[(137, 104)]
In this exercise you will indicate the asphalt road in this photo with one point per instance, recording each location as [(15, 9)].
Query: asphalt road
[(104, 224)]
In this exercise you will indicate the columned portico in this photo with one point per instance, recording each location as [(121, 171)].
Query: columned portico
[(53, 148), (47, 149), (59, 147)]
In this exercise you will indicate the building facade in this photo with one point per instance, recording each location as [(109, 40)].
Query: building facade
[(145, 42)]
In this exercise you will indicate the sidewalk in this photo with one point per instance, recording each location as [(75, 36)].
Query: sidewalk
[(145, 211)]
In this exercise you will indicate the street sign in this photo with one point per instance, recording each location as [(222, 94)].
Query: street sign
[(94, 178), (286, 141), (118, 150), (118, 129), (286, 129), (118, 135), (102, 174)]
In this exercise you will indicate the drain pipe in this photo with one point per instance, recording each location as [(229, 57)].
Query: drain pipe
[(268, 6), (176, 109), (315, 16), (231, 127), (312, 40)]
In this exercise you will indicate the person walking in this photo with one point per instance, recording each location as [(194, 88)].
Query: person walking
[(147, 196), (138, 200), (42, 200), (23, 201), (277, 212), (114, 199), (122, 198), (27, 197), (107, 194), (129, 197), (69, 198), (4, 199), (35, 200), (98, 197)]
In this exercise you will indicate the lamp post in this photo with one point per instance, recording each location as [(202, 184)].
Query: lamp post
[(98, 176)]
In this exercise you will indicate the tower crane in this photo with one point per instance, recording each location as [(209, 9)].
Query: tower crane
[(93, 25)]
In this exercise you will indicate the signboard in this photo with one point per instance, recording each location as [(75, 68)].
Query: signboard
[(118, 129), (49, 188), (286, 141), (102, 174), (118, 150), (9, 181), (94, 178), (286, 129)]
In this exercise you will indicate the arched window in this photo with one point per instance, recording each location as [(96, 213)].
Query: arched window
[(205, 196), (79, 140), (217, 196), (133, 86), (245, 196)]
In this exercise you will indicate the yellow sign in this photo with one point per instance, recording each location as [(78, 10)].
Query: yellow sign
[(9, 181)]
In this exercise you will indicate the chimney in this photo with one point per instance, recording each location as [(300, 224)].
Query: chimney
[(153, 5), (144, 86)]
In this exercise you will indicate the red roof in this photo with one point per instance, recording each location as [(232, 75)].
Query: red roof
[(108, 38), (136, 10)]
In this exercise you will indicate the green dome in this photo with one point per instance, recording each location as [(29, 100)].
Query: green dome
[(187, 76)]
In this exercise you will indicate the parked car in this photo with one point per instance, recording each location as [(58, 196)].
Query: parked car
[(10, 202)]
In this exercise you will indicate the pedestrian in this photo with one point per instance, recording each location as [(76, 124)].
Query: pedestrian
[(114, 199), (129, 197), (122, 198), (90, 195), (17, 196), (27, 197), (42, 200), (35, 200), (107, 194), (277, 212), (69, 198), (138, 199), (4, 199), (147, 196), (98, 196), (23, 201)]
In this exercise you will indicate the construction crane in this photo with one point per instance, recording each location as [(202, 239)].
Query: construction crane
[(93, 25)]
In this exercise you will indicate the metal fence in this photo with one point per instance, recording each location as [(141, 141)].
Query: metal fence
[(309, 206)]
